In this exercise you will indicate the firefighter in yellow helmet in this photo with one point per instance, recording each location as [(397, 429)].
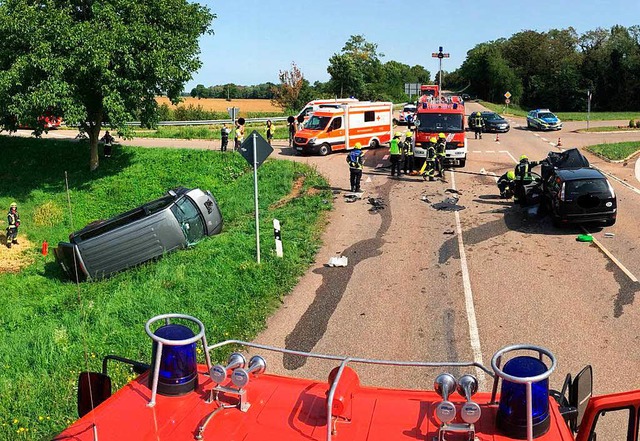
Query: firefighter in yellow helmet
[(13, 220), (523, 178), (441, 153), (428, 168), (506, 184), (407, 151), (478, 124), (355, 159)]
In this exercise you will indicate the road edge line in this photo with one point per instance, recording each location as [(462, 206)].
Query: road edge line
[(611, 257), (474, 334)]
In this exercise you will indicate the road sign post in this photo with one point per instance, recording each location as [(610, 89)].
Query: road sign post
[(255, 150), (507, 100), (440, 55), (588, 107)]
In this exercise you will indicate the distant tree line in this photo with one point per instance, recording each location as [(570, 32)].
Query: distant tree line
[(555, 69), (234, 91)]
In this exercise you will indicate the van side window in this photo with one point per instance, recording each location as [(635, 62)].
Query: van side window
[(369, 116), (336, 123), (190, 219)]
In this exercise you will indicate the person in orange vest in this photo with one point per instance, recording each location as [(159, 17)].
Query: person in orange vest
[(13, 219)]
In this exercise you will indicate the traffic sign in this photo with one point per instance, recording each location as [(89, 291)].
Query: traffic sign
[(233, 112), (507, 95), (263, 149), (507, 101)]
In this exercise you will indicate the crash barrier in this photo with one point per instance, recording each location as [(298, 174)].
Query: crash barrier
[(210, 122)]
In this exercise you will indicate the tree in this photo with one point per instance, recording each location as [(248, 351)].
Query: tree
[(289, 94), (346, 78), (96, 63)]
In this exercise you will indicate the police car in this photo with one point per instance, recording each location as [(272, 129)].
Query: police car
[(543, 119)]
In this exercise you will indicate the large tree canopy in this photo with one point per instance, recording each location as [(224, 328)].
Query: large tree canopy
[(95, 63)]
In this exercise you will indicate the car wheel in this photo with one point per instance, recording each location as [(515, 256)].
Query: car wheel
[(324, 150), (395, 121), (529, 125), (463, 162), (609, 222), (374, 144)]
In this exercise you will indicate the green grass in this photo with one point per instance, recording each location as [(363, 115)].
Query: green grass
[(565, 116), (207, 132), (616, 151), (47, 322), (608, 129)]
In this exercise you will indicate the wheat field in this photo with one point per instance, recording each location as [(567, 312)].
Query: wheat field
[(220, 105)]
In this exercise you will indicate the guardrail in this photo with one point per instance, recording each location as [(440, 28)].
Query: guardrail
[(211, 121)]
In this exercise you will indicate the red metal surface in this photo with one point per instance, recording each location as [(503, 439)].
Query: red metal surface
[(283, 409)]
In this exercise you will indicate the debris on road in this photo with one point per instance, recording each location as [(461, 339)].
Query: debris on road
[(584, 238), (338, 261), (452, 190), (449, 232), (449, 204), (337, 191), (377, 204), (425, 199), (609, 235), (352, 197)]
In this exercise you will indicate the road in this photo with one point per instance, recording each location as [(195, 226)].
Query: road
[(427, 285)]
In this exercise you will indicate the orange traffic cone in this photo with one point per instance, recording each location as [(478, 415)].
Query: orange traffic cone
[(497, 137), (559, 142)]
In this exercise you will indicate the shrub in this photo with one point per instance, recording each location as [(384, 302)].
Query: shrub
[(637, 123), (632, 123)]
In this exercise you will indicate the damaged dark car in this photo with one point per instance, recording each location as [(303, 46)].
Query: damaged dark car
[(574, 192), (177, 220)]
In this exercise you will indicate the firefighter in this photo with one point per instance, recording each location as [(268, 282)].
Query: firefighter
[(428, 168), (522, 178), (13, 220), (441, 153), (407, 150), (396, 154), (355, 159), (478, 124), (506, 184)]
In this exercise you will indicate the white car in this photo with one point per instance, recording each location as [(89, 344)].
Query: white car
[(407, 114)]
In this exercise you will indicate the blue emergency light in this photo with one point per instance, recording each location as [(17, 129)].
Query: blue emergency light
[(178, 373), (512, 410)]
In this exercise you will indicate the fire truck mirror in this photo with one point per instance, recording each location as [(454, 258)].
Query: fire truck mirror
[(93, 389), (580, 393)]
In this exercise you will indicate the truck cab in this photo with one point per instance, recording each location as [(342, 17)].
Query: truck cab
[(433, 119)]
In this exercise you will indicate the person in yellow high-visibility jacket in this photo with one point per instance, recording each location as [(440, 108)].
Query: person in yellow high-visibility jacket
[(396, 154), (429, 167)]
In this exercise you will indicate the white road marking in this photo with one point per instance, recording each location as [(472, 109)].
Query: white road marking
[(385, 157), (614, 177), (490, 151), (638, 169), (380, 165), (612, 257), (535, 134), (474, 335), (510, 155), (544, 139), (477, 151), (552, 144), (368, 179)]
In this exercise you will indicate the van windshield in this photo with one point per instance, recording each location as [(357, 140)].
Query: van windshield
[(317, 122), (189, 219), (440, 122)]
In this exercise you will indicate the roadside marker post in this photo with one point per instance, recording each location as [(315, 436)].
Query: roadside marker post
[(278, 237)]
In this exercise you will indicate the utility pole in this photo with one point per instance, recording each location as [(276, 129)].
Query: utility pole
[(588, 107), (440, 55)]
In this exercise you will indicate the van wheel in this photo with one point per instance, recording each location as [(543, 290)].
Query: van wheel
[(324, 150), (374, 144), (395, 121)]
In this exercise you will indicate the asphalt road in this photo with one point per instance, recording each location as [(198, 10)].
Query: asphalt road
[(416, 289)]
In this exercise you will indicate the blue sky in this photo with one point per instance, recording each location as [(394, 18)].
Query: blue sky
[(254, 39)]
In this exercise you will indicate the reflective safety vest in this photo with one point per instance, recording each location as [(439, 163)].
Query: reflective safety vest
[(478, 122), (523, 170), (431, 152), (354, 159), (441, 147), (407, 148), (13, 219), (394, 148)]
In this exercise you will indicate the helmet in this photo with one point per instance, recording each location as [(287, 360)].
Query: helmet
[(523, 157), (511, 175), (357, 146), (441, 135), (397, 135), (13, 205), (408, 134), (478, 114), (433, 139)]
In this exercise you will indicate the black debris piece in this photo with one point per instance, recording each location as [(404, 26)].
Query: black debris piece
[(378, 203), (452, 190), (449, 232), (425, 199), (449, 204)]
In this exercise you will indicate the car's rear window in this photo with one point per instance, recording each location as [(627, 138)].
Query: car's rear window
[(586, 186)]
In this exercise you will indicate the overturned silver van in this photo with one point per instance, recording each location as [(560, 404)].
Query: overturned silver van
[(177, 220)]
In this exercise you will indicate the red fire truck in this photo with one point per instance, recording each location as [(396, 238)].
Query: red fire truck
[(433, 118)]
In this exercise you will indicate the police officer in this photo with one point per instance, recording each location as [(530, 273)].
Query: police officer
[(478, 124), (407, 150), (441, 153), (522, 178), (13, 219), (506, 184), (355, 159), (224, 136), (396, 154), (428, 168)]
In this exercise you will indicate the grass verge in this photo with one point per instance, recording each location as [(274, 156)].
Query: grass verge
[(608, 129), (616, 151), (48, 322), (208, 132), (565, 116)]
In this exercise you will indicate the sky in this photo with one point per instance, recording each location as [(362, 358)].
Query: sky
[(253, 40)]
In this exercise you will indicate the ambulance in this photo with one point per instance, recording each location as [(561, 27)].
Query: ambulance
[(336, 127)]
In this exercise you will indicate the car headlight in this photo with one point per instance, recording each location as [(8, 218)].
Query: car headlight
[(313, 140)]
